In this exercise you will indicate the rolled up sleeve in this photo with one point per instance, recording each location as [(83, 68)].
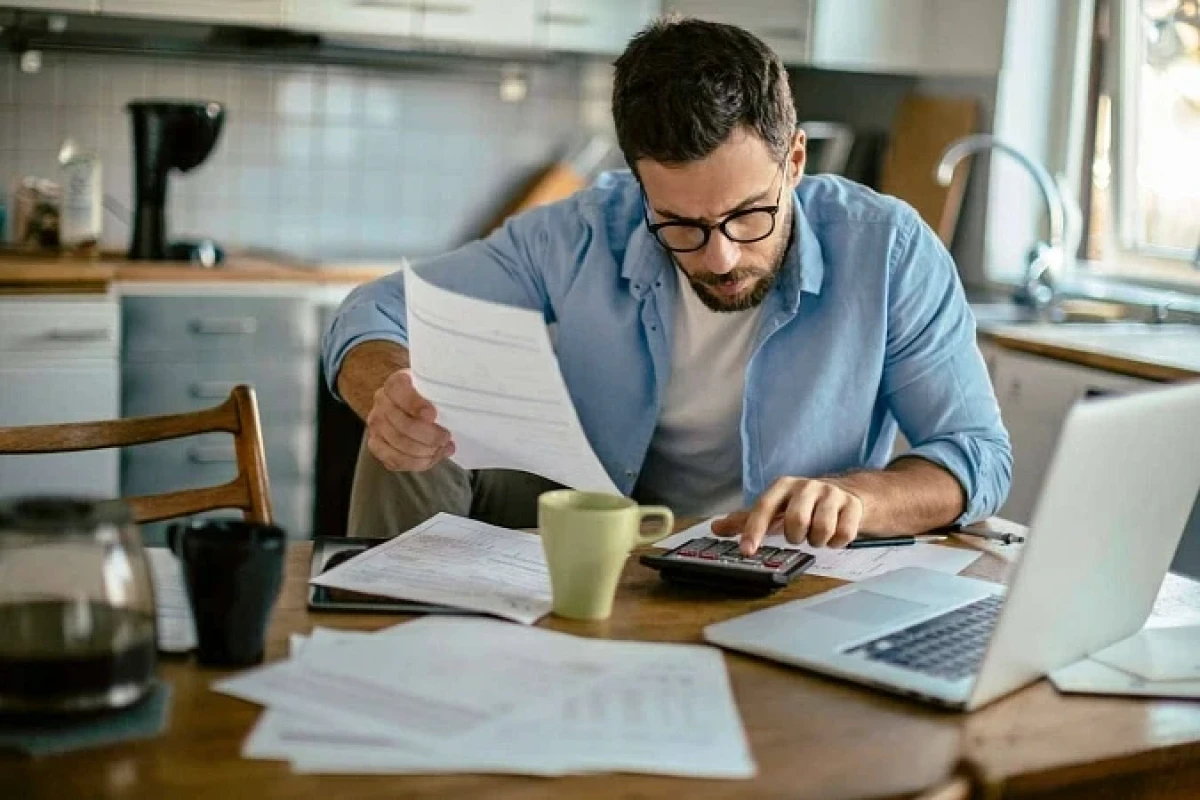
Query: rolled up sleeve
[(503, 268), (935, 380)]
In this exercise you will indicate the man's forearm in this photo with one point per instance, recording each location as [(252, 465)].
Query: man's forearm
[(364, 369), (910, 496)]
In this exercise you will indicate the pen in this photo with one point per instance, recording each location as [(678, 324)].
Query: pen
[(891, 541)]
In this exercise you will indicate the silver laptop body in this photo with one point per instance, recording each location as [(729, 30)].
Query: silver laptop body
[(1110, 515)]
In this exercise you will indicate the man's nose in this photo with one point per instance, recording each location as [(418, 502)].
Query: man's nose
[(720, 255)]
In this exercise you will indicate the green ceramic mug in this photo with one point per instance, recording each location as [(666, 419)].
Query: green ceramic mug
[(586, 537)]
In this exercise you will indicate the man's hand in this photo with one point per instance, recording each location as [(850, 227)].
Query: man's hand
[(821, 512), (402, 429)]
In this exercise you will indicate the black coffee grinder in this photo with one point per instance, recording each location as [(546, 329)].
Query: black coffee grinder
[(168, 135)]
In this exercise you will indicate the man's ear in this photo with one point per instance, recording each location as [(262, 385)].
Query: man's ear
[(798, 157)]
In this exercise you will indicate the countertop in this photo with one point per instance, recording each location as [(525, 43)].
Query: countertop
[(1150, 352), (21, 274)]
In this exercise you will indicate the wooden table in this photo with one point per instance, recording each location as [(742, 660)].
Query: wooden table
[(812, 737)]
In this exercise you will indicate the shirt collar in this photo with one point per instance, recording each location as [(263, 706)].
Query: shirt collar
[(803, 269)]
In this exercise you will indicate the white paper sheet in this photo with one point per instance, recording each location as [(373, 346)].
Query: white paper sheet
[(492, 374), (176, 627), (454, 561), (1158, 654), (427, 684), (663, 709), (1091, 677), (854, 565)]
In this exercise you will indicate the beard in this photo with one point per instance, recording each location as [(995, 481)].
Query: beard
[(764, 279)]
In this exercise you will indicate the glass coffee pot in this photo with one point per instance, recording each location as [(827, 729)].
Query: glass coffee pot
[(77, 615)]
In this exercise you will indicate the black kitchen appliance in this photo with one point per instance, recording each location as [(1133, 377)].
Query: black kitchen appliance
[(167, 135)]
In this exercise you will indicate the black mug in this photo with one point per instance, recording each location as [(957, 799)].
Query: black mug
[(232, 570)]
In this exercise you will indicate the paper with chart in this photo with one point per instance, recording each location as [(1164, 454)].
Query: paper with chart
[(853, 565), (176, 627), (568, 704), (491, 372), (454, 561)]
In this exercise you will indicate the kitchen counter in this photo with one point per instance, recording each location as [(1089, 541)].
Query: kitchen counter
[(1151, 352), (39, 274)]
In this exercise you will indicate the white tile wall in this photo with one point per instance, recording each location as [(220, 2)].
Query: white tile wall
[(317, 161)]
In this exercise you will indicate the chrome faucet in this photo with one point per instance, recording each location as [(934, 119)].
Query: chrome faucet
[(1045, 258)]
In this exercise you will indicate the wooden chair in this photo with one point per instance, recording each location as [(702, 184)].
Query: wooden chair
[(238, 415)]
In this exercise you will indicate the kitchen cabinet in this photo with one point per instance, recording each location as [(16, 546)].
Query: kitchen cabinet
[(923, 37), (509, 23), (233, 12), (59, 362), (373, 17), (1035, 394), (785, 25), (184, 353), (592, 26)]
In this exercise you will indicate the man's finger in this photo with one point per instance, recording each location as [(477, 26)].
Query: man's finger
[(760, 516), (410, 448), (426, 433), (392, 459), (848, 523), (730, 524), (797, 517), (399, 389), (825, 517)]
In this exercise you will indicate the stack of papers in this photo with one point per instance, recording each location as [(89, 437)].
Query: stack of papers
[(854, 565), (176, 627), (463, 694), (454, 561)]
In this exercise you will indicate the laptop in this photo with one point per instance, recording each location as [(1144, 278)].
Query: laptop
[(1109, 517)]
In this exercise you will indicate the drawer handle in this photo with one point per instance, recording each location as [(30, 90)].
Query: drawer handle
[(211, 390), (566, 18), (394, 5), (787, 34), (80, 335), (1095, 391), (213, 454), (225, 325), (446, 8)]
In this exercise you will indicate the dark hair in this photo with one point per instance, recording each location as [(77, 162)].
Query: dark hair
[(683, 85)]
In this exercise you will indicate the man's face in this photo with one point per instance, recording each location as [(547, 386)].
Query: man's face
[(740, 174)]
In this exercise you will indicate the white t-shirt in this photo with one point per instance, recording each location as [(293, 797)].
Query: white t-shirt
[(694, 464)]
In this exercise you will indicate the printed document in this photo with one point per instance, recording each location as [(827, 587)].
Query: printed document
[(508, 699), (492, 374), (454, 561), (853, 565)]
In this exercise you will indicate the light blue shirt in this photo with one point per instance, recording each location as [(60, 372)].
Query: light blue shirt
[(866, 331)]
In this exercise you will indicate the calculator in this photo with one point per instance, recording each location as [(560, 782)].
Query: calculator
[(718, 564)]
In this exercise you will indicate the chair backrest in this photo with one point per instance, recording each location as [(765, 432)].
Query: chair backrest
[(238, 415)]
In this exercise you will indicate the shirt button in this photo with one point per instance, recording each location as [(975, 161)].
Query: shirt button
[(629, 473), (653, 327)]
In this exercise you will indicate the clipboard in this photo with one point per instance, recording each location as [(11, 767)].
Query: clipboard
[(328, 552)]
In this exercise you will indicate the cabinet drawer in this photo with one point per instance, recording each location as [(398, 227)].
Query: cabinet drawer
[(285, 390), (66, 328), (209, 460), (217, 328)]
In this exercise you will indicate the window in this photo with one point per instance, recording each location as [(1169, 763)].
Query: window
[(1142, 193)]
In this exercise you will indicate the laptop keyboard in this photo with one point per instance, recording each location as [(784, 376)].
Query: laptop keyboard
[(949, 646)]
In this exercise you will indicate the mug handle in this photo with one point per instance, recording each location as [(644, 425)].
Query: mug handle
[(662, 513)]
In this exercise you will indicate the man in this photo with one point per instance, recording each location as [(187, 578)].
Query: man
[(736, 337)]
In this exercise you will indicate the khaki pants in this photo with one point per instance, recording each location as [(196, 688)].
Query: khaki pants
[(383, 503)]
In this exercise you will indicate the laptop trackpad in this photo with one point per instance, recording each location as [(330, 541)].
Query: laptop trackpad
[(868, 608)]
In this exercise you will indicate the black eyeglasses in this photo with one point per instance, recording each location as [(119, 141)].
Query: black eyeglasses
[(745, 226)]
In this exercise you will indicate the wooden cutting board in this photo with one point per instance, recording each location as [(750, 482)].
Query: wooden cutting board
[(923, 128)]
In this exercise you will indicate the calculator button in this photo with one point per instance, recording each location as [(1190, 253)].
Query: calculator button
[(764, 553), (693, 548)]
